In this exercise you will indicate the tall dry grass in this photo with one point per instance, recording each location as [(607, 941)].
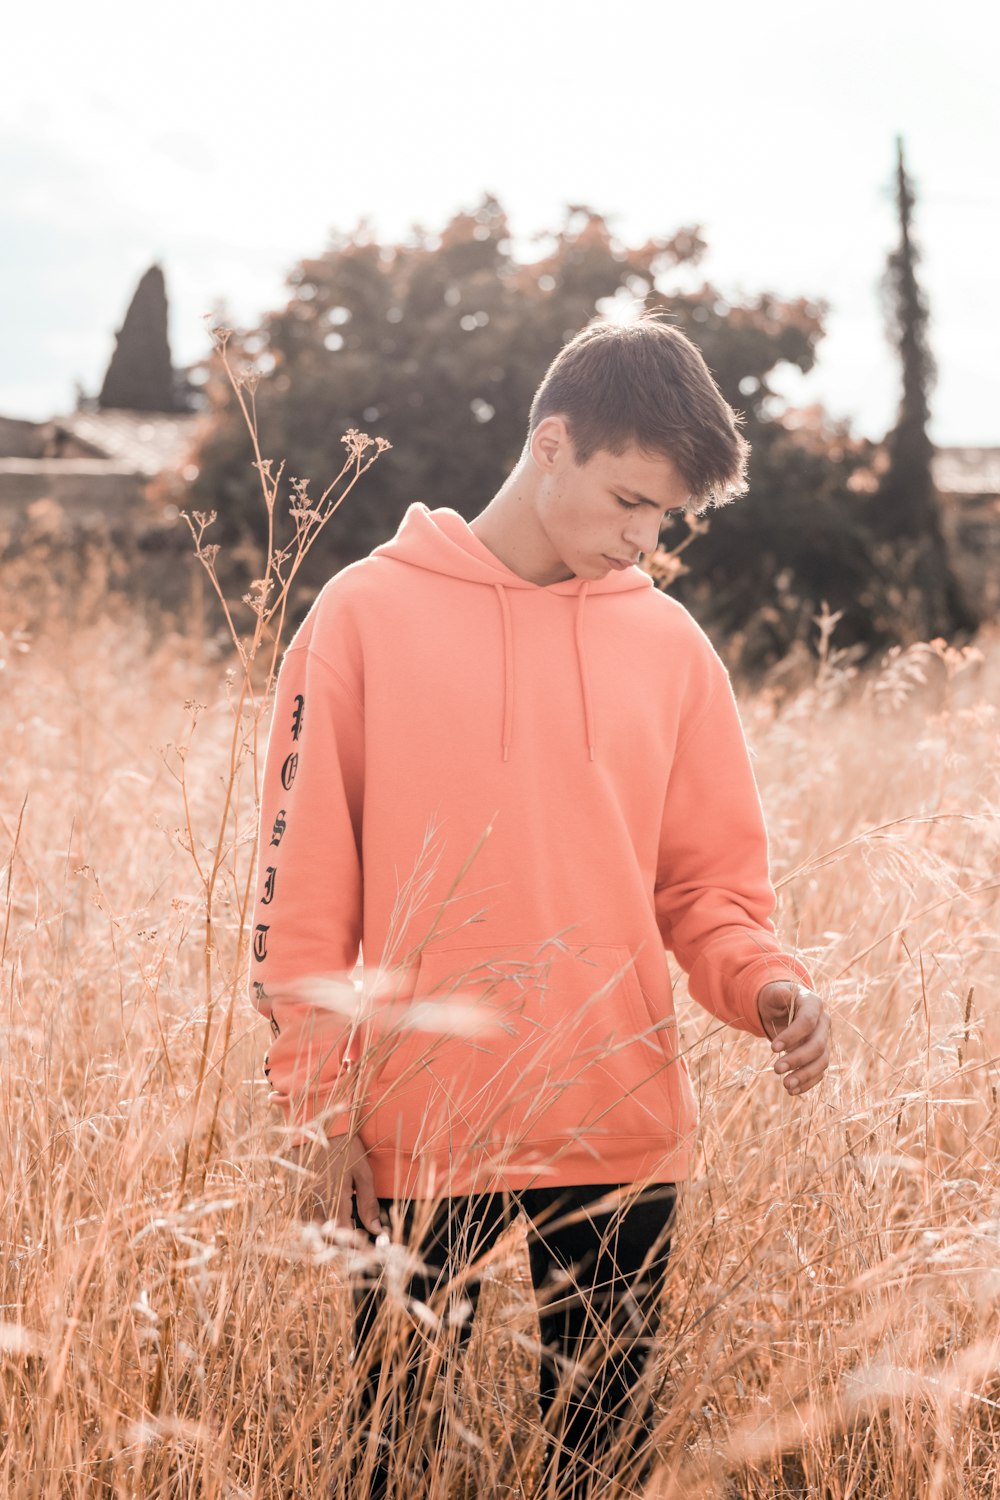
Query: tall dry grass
[(171, 1326)]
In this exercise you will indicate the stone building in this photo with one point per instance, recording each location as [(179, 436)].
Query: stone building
[(968, 481), (91, 466)]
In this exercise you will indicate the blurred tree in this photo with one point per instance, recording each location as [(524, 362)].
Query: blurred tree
[(140, 376), (438, 344), (905, 511), (767, 563)]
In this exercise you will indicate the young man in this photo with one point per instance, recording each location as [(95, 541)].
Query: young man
[(512, 771)]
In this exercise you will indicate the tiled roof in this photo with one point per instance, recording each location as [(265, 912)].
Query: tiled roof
[(147, 442), (967, 471)]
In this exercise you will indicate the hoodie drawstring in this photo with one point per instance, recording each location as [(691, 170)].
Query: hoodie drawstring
[(508, 669), (588, 708), (508, 672)]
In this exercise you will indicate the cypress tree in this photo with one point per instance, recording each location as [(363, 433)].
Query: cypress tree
[(140, 376), (906, 508)]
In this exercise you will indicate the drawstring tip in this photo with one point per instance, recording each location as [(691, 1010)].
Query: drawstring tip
[(505, 752), (592, 752)]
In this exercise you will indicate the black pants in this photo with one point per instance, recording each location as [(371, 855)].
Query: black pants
[(597, 1272)]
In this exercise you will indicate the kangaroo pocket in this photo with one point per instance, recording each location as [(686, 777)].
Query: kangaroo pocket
[(520, 1044)]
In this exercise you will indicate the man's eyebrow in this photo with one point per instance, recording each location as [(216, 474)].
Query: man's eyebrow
[(645, 500)]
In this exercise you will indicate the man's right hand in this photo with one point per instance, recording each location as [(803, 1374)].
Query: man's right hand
[(338, 1169)]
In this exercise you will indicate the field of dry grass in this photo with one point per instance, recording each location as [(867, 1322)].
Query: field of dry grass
[(173, 1324), (169, 1327)]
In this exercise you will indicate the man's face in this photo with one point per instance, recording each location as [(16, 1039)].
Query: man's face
[(610, 509)]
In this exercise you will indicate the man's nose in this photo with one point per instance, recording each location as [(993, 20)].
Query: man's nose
[(642, 535)]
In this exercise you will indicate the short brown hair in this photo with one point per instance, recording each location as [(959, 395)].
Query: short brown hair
[(646, 383)]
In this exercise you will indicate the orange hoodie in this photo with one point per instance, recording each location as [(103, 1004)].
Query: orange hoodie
[(513, 798)]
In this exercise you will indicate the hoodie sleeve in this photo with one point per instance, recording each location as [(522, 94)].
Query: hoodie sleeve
[(307, 916), (714, 898)]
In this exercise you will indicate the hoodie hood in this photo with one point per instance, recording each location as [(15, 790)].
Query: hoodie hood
[(443, 542)]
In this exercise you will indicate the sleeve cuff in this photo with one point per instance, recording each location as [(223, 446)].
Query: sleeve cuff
[(765, 971), (316, 1112)]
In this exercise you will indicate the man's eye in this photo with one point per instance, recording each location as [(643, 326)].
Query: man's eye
[(628, 504)]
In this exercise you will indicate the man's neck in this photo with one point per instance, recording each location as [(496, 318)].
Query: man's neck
[(509, 528)]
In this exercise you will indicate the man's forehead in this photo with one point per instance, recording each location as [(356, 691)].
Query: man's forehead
[(653, 482)]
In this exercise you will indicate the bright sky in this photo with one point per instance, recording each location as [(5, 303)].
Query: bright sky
[(227, 139)]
